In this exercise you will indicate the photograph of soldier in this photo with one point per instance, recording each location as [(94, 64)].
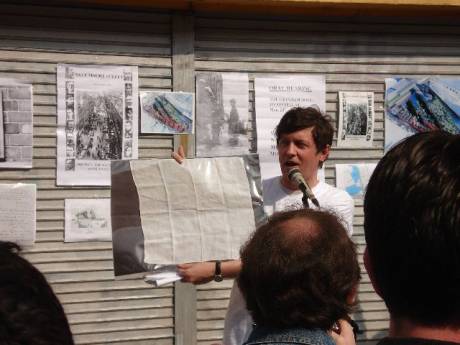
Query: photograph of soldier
[(221, 114), (99, 125)]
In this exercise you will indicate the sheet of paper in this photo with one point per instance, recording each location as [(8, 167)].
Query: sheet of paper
[(167, 112), (420, 105), (198, 211), (97, 121), (17, 213), (353, 178), (87, 220), (356, 119), (273, 97), (15, 124), (222, 116)]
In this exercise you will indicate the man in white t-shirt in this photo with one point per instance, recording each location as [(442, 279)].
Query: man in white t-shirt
[(304, 138)]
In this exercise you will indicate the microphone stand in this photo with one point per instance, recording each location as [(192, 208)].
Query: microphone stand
[(304, 197)]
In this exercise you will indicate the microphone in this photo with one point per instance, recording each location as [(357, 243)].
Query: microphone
[(294, 175)]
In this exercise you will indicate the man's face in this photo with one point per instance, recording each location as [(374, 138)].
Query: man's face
[(298, 149)]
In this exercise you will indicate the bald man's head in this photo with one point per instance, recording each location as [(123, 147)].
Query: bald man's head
[(298, 270)]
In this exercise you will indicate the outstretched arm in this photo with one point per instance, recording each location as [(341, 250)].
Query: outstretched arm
[(203, 272)]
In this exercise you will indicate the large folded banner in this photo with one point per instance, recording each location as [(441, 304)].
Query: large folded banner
[(200, 210)]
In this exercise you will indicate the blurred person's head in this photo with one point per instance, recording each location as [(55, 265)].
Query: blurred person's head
[(30, 312), (412, 229), (299, 270)]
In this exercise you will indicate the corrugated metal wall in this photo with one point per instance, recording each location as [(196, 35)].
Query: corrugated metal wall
[(354, 55), (33, 39)]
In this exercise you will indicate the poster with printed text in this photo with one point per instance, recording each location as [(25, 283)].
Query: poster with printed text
[(420, 105), (97, 121), (353, 178), (356, 119), (87, 220), (167, 112), (18, 213), (273, 97), (222, 116)]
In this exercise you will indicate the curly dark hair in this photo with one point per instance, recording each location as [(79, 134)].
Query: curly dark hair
[(298, 270), (30, 312), (412, 228), (299, 118)]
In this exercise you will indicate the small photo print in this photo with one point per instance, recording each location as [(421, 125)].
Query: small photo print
[(128, 76), (128, 129), (69, 87), (128, 114), (128, 149), (70, 114), (69, 73), (128, 89), (167, 112), (87, 220), (70, 164)]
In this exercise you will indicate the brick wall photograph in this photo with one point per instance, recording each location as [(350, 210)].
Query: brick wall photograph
[(16, 110)]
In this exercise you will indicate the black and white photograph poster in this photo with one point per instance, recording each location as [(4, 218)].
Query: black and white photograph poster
[(274, 95), (16, 118), (356, 119), (222, 115), (87, 220), (97, 121)]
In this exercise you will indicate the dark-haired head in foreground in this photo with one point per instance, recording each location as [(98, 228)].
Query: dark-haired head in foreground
[(299, 270), (30, 312), (412, 228)]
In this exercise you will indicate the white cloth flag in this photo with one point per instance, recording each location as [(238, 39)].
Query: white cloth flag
[(198, 211), (274, 96)]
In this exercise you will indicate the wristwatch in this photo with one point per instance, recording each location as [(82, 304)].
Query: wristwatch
[(218, 272)]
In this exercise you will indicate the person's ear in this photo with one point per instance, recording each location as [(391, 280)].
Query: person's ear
[(324, 153), (351, 298), (370, 271)]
